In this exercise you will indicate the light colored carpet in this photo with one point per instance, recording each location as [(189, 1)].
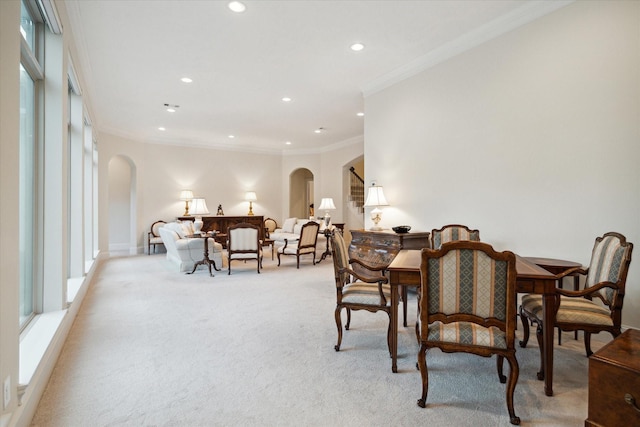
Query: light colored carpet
[(153, 347)]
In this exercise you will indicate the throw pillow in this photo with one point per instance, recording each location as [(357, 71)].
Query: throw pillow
[(288, 225)]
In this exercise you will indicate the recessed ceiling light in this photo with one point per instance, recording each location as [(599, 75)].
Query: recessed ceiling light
[(171, 110), (231, 136), (288, 143), (186, 80), (319, 130), (237, 6), (286, 99), (161, 128), (360, 114), (357, 47)]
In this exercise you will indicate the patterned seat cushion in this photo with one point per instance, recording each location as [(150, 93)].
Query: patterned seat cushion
[(365, 293), (467, 333), (572, 310)]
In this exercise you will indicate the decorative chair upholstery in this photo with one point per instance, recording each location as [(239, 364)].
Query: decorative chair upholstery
[(366, 290), (468, 304), (453, 233), (244, 244), (305, 245), (153, 236), (575, 310)]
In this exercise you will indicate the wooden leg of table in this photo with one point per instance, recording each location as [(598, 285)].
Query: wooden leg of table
[(394, 328), (548, 306)]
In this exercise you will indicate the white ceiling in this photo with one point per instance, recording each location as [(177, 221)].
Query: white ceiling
[(133, 54)]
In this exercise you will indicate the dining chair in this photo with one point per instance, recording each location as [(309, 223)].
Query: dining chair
[(244, 244), (305, 245), (468, 304), (605, 282), (367, 289), (453, 233)]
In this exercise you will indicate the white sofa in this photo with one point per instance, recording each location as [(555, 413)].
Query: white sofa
[(185, 252), (291, 230)]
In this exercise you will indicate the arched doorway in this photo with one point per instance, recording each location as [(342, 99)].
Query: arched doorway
[(300, 193), (122, 206)]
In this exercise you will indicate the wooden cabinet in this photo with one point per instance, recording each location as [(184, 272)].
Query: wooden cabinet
[(221, 223), (379, 248), (614, 382)]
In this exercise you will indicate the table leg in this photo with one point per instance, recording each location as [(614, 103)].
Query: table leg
[(394, 328), (327, 252), (548, 308)]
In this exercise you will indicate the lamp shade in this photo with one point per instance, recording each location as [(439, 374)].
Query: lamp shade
[(326, 204), (199, 207), (250, 196), (375, 197), (186, 195)]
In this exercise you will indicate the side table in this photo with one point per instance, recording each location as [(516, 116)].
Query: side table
[(206, 260), (327, 252)]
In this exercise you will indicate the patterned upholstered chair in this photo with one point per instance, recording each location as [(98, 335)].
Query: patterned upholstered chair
[(244, 244), (453, 233), (305, 245), (153, 236), (365, 290), (468, 304), (576, 311)]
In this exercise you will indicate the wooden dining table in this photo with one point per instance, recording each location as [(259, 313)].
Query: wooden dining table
[(404, 270)]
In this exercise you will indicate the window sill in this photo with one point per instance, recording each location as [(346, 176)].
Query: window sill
[(35, 341)]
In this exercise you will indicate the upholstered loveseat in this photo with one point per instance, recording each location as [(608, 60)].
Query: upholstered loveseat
[(183, 251), (291, 230)]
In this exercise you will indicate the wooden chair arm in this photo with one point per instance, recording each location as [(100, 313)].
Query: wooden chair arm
[(586, 292), (572, 271), (366, 279), (368, 267)]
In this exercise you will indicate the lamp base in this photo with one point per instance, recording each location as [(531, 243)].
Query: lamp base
[(376, 228), (250, 213), (197, 225)]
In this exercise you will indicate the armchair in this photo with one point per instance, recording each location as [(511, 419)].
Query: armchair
[(153, 236), (305, 245), (244, 244), (367, 290), (468, 304), (575, 310)]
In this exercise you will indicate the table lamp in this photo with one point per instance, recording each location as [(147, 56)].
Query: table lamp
[(250, 196), (375, 199), (326, 205), (198, 208), (187, 196)]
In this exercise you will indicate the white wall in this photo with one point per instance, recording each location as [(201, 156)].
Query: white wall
[(533, 138)]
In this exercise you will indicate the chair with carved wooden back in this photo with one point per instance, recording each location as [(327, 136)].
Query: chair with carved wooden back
[(605, 281), (153, 236), (468, 304), (244, 244), (453, 233), (305, 245), (270, 225), (367, 289)]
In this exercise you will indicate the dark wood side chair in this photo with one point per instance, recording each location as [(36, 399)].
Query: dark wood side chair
[(477, 316), (153, 236), (244, 244), (305, 245), (605, 280), (366, 290)]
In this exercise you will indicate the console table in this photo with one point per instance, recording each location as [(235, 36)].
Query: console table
[(379, 248), (221, 223)]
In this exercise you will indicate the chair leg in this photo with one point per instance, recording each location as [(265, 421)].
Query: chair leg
[(278, 259), (389, 335), (541, 348), (525, 329), (511, 386), (587, 343), (405, 296), (348, 319), (298, 261), (499, 365), (424, 374), (339, 326)]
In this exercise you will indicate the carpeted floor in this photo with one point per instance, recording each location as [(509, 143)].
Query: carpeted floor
[(153, 347)]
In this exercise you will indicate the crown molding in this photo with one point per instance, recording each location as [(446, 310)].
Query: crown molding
[(508, 22)]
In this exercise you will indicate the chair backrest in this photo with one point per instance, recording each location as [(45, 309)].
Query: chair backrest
[(468, 281), (453, 233), (340, 256), (308, 235), (270, 225), (610, 261), (243, 237), (155, 228)]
